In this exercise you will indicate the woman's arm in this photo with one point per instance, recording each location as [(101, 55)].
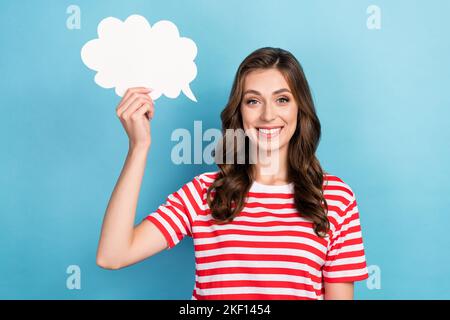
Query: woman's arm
[(339, 291), (122, 244)]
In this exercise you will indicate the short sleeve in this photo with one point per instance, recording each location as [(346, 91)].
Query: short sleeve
[(345, 260), (176, 216)]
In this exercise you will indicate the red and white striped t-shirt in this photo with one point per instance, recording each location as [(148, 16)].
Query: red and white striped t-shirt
[(268, 251)]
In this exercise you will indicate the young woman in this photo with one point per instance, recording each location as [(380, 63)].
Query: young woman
[(260, 231)]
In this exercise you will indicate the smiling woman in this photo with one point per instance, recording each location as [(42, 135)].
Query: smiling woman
[(260, 231), (270, 91)]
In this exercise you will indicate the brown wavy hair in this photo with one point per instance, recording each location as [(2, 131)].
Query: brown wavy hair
[(235, 179)]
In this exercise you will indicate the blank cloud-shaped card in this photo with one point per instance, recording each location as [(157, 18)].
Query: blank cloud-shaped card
[(132, 53)]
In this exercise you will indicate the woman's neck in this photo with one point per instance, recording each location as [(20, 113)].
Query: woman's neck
[(272, 167)]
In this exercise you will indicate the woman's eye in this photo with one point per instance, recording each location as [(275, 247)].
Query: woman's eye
[(283, 100), (251, 101)]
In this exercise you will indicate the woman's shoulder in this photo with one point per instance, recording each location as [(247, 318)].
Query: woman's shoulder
[(336, 188), (340, 199), (207, 178)]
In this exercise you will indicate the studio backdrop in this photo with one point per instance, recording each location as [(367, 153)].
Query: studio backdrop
[(379, 72)]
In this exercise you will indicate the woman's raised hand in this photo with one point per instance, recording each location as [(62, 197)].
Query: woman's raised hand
[(135, 111)]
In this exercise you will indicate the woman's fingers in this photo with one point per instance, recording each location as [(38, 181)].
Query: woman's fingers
[(130, 91), (130, 95), (151, 111), (146, 110), (131, 102), (134, 105)]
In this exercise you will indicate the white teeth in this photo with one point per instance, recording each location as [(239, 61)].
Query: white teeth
[(270, 131)]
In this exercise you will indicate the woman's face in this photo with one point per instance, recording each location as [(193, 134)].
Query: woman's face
[(269, 111)]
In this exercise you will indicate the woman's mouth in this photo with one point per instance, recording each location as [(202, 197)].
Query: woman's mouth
[(268, 133)]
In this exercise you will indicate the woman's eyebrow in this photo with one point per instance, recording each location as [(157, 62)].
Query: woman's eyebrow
[(274, 93)]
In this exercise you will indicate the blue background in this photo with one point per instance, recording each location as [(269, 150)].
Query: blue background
[(381, 95)]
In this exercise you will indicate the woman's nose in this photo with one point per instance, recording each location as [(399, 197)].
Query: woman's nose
[(268, 112)]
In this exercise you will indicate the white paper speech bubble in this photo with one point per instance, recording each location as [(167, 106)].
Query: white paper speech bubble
[(130, 53)]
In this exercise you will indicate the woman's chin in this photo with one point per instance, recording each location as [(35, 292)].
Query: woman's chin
[(265, 146)]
